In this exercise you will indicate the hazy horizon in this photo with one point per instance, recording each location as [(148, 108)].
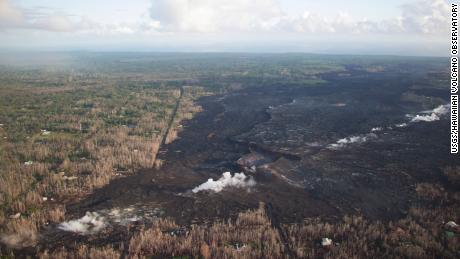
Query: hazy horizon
[(394, 27)]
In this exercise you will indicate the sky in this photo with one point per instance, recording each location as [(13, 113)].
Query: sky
[(396, 27)]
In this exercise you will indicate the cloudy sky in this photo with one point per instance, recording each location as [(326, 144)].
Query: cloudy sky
[(401, 27)]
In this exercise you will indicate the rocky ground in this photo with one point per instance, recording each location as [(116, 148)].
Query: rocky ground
[(351, 146)]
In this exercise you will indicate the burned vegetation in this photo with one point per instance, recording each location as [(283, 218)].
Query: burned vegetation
[(227, 156)]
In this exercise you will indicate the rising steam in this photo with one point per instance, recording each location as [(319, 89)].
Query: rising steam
[(239, 180)]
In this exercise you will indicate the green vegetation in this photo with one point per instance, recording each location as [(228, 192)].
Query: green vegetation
[(66, 131), (61, 139)]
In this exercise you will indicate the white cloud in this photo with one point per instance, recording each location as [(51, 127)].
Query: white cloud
[(257, 25), (15, 17), (9, 14), (215, 15), (426, 16), (418, 17), (58, 23), (422, 17), (239, 180)]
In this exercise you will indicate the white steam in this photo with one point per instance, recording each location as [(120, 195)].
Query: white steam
[(432, 115), (351, 140), (401, 125), (91, 223), (425, 116), (239, 180), (442, 109)]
